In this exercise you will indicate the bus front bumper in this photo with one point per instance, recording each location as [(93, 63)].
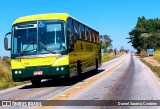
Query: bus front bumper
[(44, 72)]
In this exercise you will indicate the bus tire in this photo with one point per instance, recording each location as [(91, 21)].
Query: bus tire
[(79, 70), (36, 82), (96, 70), (68, 81)]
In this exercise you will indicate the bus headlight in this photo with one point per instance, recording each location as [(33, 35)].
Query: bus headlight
[(20, 72), (16, 72), (62, 68), (57, 69)]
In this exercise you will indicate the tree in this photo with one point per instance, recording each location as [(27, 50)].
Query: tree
[(106, 41), (146, 34)]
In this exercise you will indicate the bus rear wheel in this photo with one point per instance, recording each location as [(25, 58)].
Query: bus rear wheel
[(79, 70), (96, 70), (36, 82)]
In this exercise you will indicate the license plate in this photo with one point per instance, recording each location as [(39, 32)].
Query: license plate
[(38, 73)]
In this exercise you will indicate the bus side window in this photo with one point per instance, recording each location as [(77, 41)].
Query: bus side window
[(91, 35), (70, 35), (97, 37), (87, 33), (82, 31), (76, 29)]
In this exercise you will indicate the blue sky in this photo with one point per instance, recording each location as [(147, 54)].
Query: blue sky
[(112, 17)]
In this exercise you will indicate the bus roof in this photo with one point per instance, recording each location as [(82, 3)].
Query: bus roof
[(49, 16), (62, 16)]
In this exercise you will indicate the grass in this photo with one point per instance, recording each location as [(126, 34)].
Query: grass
[(6, 77), (6, 80), (155, 69), (157, 55), (107, 57), (110, 56)]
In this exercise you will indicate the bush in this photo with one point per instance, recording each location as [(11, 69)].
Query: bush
[(143, 54), (5, 76), (157, 55)]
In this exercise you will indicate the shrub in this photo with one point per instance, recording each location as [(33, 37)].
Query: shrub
[(157, 55), (143, 54)]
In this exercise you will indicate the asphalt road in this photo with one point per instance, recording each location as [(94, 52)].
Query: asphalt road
[(124, 78), (132, 80)]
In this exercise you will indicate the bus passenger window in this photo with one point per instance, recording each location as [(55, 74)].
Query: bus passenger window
[(97, 38), (70, 32), (76, 30), (93, 34), (87, 33), (91, 31), (82, 31)]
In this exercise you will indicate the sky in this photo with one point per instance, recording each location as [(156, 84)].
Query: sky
[(115, 18)]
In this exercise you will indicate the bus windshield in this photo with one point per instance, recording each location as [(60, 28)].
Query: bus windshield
[(39, 37)]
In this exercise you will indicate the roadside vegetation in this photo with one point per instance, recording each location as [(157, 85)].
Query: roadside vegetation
[(146, 34), (155, 69), (107, 49), (157, 55), (5, 74), (110, 56)]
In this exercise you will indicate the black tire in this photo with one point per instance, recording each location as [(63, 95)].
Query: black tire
[(96, 70), (67, 80), (79, 70), (36, 82)]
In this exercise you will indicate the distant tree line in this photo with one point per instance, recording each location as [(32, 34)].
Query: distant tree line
[(146, 34)]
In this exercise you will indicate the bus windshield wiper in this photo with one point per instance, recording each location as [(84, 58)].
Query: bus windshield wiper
[(22, 53), (47, 48)]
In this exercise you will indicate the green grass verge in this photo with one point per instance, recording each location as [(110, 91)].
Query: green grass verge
[(155, 69)]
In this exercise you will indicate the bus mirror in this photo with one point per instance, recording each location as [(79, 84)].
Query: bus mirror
[(6, 42)]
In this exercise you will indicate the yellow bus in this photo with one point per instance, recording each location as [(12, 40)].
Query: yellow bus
[(46, 46)]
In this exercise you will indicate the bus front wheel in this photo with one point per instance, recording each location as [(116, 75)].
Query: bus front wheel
[(36, 81)]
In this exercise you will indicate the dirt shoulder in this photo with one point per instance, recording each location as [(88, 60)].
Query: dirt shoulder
[(153, 65), (152, 61)]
